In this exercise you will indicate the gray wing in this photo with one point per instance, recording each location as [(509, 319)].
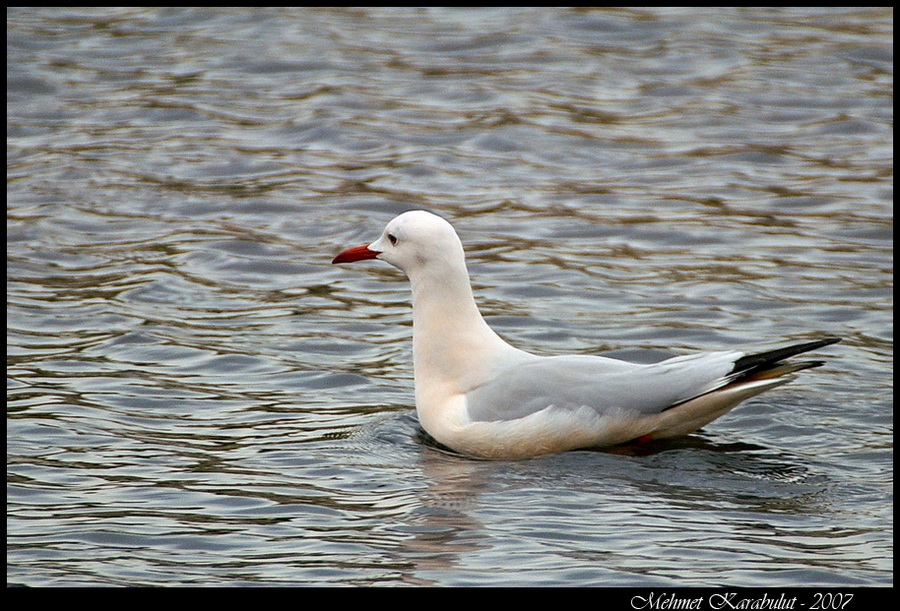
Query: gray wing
[(598, 382)]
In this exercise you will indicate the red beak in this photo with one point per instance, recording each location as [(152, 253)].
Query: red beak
[(357, 253)]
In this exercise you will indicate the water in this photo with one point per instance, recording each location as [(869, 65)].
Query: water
[(196, 396)]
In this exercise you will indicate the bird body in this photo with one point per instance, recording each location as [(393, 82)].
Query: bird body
[(480, 396)]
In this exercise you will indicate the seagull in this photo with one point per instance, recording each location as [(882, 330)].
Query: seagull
[(481, 397)]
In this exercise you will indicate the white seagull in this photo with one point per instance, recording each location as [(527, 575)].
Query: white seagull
[(481, 397)]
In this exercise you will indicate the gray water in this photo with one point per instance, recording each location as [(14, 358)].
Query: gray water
[(196, 396)]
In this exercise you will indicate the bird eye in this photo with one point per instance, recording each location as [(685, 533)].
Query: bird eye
[(393, 239)]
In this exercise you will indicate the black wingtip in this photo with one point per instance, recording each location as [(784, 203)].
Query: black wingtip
[(770, 358)]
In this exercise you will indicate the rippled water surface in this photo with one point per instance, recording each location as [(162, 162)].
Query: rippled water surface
[(196, 396)]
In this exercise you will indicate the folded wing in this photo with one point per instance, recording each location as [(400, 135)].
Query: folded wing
[(606, 384)]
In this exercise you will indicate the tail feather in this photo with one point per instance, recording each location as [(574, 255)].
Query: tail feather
[(777, 370), (751, 375), (751, 372)]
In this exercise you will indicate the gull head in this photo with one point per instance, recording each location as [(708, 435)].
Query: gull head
[(415, 242)]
